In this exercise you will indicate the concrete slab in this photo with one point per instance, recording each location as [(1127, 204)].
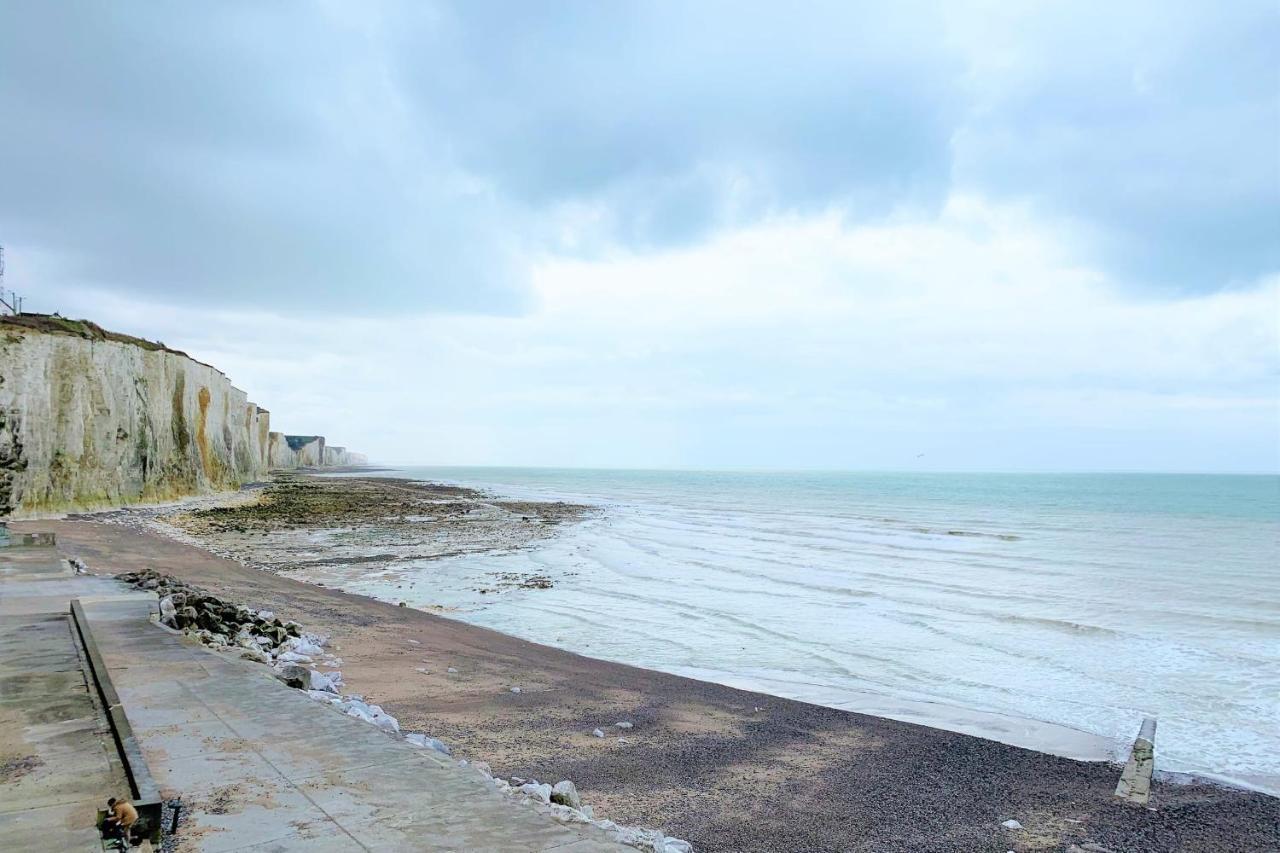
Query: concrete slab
[(261, 766), (57, 756)]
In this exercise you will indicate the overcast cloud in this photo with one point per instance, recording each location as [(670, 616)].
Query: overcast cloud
[(831, 235)]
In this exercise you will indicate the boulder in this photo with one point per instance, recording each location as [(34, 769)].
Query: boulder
[(295, 676), (325, 696), (566, 794), (320, 681), (538, 792), (426, 742), (597, 733), (255, 654)]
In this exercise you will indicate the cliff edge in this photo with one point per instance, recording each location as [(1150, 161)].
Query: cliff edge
[(91, 418)]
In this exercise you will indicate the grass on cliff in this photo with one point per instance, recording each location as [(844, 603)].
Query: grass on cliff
[(53, 324)]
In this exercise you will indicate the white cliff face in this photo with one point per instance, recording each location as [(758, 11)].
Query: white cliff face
[(90, 423)]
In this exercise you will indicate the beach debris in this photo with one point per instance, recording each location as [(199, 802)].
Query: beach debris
[(1011, 824), (623, 725), (515, 689), (597, 733), (453, 669), (422, 669), (413, 642)]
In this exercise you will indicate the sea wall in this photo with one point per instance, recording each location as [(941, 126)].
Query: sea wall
[(90, 419)]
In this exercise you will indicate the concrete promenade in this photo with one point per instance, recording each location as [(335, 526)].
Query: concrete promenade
[(258, 765), (58, 762), (262, 767)]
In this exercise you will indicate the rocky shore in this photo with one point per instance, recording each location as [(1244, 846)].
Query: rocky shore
[(727, 769), (329, 527)]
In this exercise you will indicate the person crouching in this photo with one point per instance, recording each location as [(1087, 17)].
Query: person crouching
[(121, 816)]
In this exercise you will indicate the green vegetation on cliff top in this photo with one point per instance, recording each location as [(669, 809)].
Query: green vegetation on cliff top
[(87, 329)]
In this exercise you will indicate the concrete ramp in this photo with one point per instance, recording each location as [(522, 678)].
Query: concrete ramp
[(58, 763), (260, 766)]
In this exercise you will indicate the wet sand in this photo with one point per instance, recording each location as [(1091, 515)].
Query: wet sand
[(727, 769)]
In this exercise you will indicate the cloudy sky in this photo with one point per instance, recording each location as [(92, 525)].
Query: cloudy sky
[(1005, 236)]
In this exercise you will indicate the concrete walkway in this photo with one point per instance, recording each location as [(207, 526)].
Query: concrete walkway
[(58, 762), (262, 767)]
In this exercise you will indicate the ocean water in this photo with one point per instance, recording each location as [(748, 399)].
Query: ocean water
[(1050, 611)]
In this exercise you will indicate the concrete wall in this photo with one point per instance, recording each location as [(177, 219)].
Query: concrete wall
[(88, 423)]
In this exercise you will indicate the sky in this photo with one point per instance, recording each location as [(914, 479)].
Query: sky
[(941, 236)]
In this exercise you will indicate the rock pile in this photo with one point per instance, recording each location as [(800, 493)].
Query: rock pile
[(564, 804), (220, 623)]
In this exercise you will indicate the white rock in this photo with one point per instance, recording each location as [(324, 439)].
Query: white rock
[(678, 845), (539, 792), (266, 615), (414, 642), (1011, 824), (597, 733), (565, 814), (588, 812), (255, 654), (311, 645), (325, 696), (294, 657), (322, 682), (566, 794), (422, 669), (453, 669), (623, 725), (387, 723), (167, 609), (359, 714), (515, 689), (425, 742)]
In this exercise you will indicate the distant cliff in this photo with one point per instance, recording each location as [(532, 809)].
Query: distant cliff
[(91, 418)]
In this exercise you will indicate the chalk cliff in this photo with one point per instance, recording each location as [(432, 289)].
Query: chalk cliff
[(90, 418)]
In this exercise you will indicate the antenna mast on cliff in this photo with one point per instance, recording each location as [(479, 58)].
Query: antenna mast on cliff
[(9, 301)]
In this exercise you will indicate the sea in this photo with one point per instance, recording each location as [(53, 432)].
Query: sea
[(1050, 611)]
